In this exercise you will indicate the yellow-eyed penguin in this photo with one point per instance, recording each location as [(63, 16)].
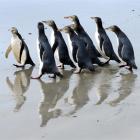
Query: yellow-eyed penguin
[(125, 48)]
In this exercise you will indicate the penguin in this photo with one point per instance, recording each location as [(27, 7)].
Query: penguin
[(59, 43), (82, 56), (103, 42), (93, 53), (46, 56), (19, 49), (125, 48)]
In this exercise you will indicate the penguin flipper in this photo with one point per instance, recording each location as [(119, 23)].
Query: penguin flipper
[(120, 49), (23, 45), (108, 49), (101, 40), (54, 46), (8, 51), (41, 51), (74, 52)]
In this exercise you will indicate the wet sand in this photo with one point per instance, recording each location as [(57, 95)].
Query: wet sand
[(103, 105)]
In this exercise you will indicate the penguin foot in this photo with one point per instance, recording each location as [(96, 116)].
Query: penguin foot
[(59, 65), (107, 62), (78, 71), (36, 77), (18, 66)]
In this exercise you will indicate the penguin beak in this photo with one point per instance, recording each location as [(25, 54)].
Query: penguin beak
[(45, 22), (108, 28), (60, 30), (68, 17), (93, 18)]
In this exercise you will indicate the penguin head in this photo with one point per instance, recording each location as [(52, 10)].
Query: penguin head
[(98, 20), (50, 23), (74, 18), (40, 26), (66, 29), (14, 30), (113, 28)]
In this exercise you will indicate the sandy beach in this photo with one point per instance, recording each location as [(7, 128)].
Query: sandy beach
[(103, 105)]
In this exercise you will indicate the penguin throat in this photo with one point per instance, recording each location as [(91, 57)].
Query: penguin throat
[(99, 25), (15, 35), (119, 33)]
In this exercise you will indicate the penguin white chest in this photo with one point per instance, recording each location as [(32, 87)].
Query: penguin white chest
[(101, 51), (97, 39), (52, 38), (16, 47), (40, 61), (69, 44), (52, 41), (38, 50)]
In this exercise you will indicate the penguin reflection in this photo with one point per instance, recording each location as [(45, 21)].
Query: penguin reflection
[(105, 84), (52, 93), (127, 84), (80, 93), (20, 86)]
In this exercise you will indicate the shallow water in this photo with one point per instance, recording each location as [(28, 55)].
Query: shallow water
[(103, 105)]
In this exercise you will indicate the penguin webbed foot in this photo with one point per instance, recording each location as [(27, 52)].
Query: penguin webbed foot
[(78, 71), (107, 62), (19, 66), (38, 77)]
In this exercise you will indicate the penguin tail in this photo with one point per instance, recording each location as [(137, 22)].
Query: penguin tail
[(59, 74), (98, 54), (133, 64), (72, 64), (101, 64), (116, 58), (31, 62)]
